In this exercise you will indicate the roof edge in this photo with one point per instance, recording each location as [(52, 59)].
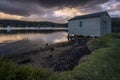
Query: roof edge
[(89, 15)]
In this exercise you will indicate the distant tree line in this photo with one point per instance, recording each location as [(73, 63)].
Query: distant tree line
[(115, 24), (17, 23)]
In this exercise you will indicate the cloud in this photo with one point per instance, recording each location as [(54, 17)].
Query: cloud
[(8, 16), (113, 7), (10, 8), (62, 3), (17, 8), (56, 10), (67, 12)]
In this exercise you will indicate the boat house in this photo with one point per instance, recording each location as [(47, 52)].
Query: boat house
[(95, 25)]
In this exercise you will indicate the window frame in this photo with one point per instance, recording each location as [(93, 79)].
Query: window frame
[(80, 23)]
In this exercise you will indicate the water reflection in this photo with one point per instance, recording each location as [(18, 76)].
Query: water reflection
[(49, 38), (25, 43), (22, 43)]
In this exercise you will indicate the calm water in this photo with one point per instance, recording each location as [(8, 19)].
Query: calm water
[(44, 37), (22, 43)]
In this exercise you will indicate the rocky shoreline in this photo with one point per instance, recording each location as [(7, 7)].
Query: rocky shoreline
[(58, 57)]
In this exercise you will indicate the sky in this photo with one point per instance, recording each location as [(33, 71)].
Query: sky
[(58, 11)]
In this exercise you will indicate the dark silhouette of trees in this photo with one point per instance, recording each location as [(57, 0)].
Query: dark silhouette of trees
[(115, 25), (17, 23)]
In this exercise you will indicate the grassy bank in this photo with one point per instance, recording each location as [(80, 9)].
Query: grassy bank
[(102, 64), (9, 71)]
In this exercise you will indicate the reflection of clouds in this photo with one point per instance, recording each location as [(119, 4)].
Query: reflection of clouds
[(57, 37), (49, 38), (63, 39), (9, 38), (35, 37)]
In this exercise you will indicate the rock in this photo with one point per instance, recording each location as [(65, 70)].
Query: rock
[(24, 61)]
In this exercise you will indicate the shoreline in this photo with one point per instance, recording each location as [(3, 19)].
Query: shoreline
[(57, 57)]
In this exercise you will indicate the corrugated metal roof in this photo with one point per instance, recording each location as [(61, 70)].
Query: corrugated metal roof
[(88, 16)]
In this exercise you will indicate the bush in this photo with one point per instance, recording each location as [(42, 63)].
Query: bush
[(9, 71)]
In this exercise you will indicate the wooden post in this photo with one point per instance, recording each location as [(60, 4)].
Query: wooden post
[(68, 37)]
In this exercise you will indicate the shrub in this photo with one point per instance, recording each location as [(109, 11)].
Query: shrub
[(9, 71)]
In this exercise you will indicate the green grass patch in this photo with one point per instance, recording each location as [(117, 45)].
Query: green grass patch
[(105, 41), (9, 71)]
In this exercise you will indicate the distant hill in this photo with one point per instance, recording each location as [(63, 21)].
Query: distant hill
[(17, 23), (115, 24)]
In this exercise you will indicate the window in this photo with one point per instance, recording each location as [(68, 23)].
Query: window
[(105, 22), (81, 23)]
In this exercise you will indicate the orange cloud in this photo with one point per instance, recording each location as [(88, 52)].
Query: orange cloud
[(67, 12), (9, 16)]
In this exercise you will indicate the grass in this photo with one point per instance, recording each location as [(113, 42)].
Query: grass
[(102, 64), (9, 71)]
